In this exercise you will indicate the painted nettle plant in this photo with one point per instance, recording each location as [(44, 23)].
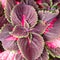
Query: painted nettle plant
[(29, 29)]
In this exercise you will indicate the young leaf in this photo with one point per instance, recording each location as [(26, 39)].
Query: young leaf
[(19, 32), (40, 27)]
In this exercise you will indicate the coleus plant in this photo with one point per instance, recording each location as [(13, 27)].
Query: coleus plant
[(31, 33)]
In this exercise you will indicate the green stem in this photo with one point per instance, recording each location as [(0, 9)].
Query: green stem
[(51, 3)]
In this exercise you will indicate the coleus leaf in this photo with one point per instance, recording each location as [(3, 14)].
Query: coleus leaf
[(54, 47), (28, 2), (47, 16), (32, 3), (19, 32), (24, 10), (7, 55), (4, 55), (3, 21), (9, 5), (11, 55), (7, 42), (40, 27), (41, 2), (53, 33), (44, 55), (50, 2), (31, 48), (53, 39), (56, 52)]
